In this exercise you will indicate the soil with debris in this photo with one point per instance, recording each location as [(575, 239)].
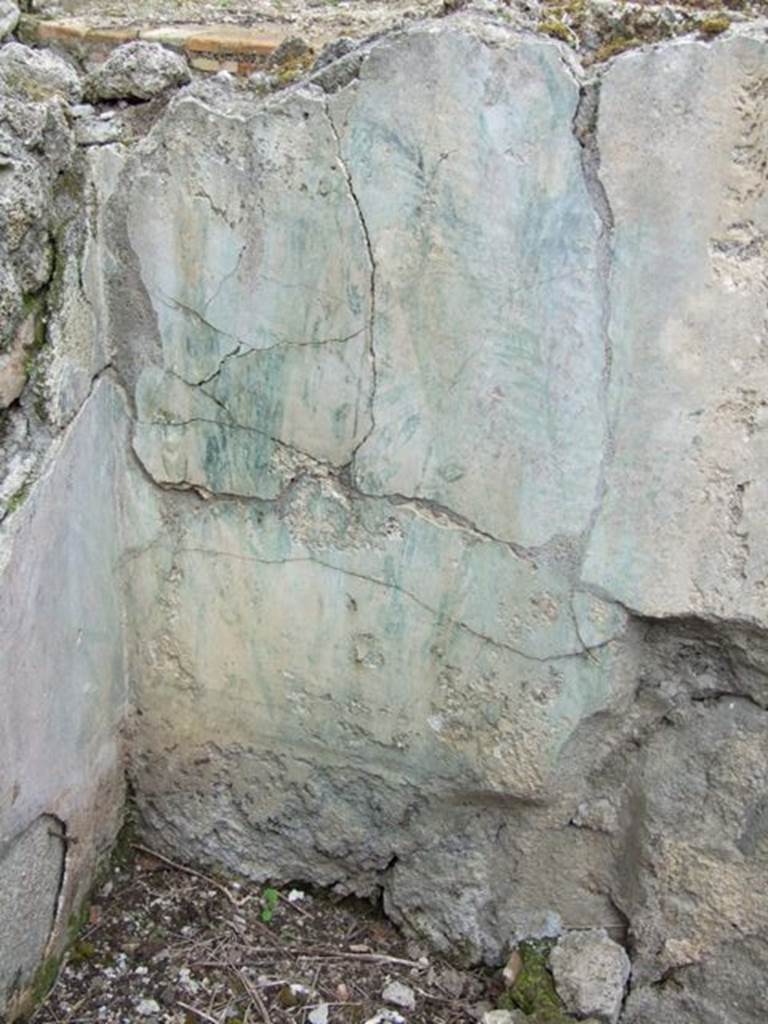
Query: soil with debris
[(163, 943)]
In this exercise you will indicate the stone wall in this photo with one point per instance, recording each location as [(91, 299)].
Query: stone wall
[(62, 443), (61, 662), (438, 525)]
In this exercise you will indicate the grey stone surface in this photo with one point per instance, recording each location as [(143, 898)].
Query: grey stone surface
[(488, 406), (703, 833), (10, 303), (138, 71), (13, 371), (31, 875), (9, 18), (36, 147), (728, 988), (37, 75), (591, 973), (63, 689), (51, 339), (680, 530)]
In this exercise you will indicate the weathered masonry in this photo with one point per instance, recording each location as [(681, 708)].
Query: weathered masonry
[(385, 494)]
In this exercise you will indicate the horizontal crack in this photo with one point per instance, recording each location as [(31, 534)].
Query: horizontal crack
[(436, 511), (458, 623), (232, 425), (243, 348)]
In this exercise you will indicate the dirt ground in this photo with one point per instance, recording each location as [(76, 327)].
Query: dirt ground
[(164, 944)]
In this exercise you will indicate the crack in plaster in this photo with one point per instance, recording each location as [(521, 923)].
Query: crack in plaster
[(584, 127), (445, 517), (228, 276), (233, 425), (242, 348), (201, 193), (244, 351), (440, 616), (372, 287)]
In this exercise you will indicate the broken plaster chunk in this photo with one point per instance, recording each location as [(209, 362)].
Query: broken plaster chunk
[(591, 972), (137, 71), (399, 995)]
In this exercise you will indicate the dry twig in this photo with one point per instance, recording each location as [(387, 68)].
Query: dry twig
[(255, 995), (195, 874), (371, 958), (198, 1013)]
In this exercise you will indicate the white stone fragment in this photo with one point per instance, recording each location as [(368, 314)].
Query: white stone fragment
[(399, 995), (503, 1017), (319, 1015), (591, 972)]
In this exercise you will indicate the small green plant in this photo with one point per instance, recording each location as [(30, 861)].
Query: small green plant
[(269, 900)]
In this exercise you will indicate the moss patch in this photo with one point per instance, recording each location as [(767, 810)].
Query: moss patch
[(44, 978), (616, 46), (294, 68), (534, 989), (82, 950), (557, 30), (714, 26), (17, 499)]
